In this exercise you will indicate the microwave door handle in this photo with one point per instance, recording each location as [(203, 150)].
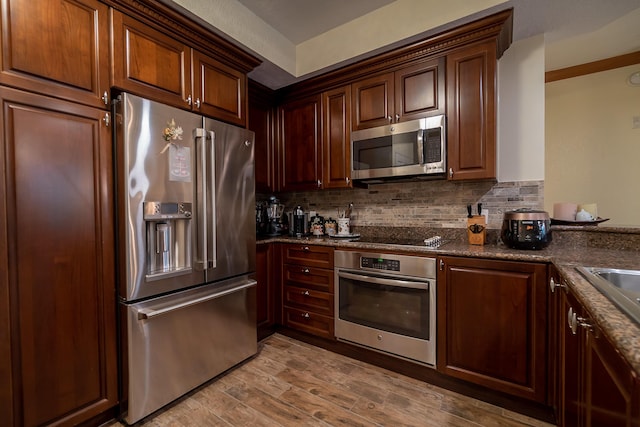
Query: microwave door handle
[(212, 204), (201, 199), (420, 142), (383, 281)]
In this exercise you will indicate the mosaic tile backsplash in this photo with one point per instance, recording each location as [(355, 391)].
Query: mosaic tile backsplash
[(432, 204)]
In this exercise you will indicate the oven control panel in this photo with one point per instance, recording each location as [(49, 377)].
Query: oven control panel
[(380, 263)]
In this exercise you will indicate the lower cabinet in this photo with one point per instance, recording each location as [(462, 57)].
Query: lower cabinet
[(597, 386), (57, 286), (492, 320), (307, 289), (267, 290)]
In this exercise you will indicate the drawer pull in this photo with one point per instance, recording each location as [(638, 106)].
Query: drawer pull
[(305, 293), (305, 248), (305, 315), (305, 270)]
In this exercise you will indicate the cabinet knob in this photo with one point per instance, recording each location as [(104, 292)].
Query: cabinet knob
[(305, 315), (189, 100), (397, 118), (553, 285), (441, 265), (348, 180), (305, 293), (585, 323), (390, 119), (198, 103), (305, 271), (450, 172), (319, 183), (105, 98), (106, 119), (572, 321), (305, 248)]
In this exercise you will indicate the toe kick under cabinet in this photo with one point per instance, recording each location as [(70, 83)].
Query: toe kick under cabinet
[(307, 295)]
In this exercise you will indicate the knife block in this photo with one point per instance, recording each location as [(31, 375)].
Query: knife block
[(477, 229)]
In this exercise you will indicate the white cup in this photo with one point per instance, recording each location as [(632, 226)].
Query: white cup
[(343, 226)]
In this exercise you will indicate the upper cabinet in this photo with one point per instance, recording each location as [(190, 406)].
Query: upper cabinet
[(262, 121), (58, 48), (336, 138), (300, 144), (471, 112), (412, 92), (149, 63), (160, 66)]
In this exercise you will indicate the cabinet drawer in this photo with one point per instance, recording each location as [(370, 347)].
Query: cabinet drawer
[(309, 322), (319, 279), (319, 302), (308, 255)]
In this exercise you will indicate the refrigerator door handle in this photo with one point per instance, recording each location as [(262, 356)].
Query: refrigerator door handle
[(146, 314), (212, 188), (201, 186)]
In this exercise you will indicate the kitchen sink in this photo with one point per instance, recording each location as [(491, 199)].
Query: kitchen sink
[(622, 287)]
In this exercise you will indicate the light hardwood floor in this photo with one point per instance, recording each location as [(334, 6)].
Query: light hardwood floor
[(291, 383)]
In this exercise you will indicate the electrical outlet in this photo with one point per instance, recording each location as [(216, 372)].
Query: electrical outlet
[(636, 122), (485, 212)]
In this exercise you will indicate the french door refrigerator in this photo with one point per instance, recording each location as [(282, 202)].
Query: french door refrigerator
[(186, 251)]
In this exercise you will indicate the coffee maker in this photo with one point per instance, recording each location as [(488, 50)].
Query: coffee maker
[(277, 222), (299, 220)]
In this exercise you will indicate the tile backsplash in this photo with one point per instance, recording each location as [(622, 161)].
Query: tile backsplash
[(433, 204)]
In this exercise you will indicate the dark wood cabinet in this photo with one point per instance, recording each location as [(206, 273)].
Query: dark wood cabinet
[(58, 48), (307, 289), (597, 386), (492, 320), (158, 66), (219, 90), (267, 291), (412, 92), (262, 121), (300, 144), (471, 111), (336, 138), (57, 287)]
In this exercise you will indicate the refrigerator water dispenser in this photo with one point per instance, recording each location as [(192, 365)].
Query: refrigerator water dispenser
[(168, 227)]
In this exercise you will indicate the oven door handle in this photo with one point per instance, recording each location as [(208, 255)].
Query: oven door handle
[(382, 281)]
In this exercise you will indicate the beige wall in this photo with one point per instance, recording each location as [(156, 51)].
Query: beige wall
[(592, 151)]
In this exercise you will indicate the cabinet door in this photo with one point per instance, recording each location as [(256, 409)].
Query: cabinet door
[(219, 90), (60, 285), (610, 394), (149, 63), (265, 290), (419, 90), (492, 324), (471, 112), (300, 144), (58, 48), (262, 123), (373, 101), (571, 365), (336, 141)]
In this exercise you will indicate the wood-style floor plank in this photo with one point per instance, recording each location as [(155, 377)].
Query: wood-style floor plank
[(291, 383)]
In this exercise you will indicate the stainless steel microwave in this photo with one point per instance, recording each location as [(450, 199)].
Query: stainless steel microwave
[(415, 148)]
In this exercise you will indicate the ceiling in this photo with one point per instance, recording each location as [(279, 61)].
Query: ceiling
[(613, 25), (301, 20)]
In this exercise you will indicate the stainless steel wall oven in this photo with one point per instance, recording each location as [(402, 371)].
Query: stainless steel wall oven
[(387, 302)]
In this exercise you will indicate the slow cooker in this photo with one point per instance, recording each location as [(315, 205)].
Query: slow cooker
[(526, 229)]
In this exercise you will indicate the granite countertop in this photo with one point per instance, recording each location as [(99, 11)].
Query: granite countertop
[(565, 253)]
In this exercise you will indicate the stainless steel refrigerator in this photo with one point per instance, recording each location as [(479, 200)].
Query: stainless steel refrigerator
[(186, 251)]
